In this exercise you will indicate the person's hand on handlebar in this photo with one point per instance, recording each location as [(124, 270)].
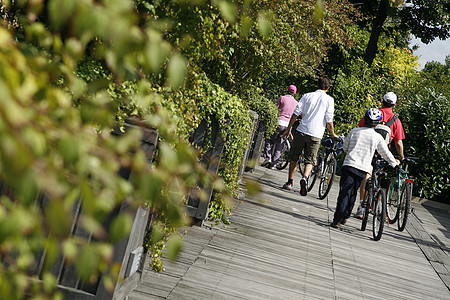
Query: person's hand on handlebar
[(338, 139), (285, 134)]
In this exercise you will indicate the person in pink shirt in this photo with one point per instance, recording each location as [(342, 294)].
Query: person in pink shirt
[(286, 105)]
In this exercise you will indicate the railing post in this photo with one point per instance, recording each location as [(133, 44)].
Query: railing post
[(197, 209)]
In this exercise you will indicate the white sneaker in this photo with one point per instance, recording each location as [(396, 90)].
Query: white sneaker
[(359, 211)]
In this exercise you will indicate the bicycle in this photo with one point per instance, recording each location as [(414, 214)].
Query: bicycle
[(375, 199), (326, 166), (283, 161), (399, 194)]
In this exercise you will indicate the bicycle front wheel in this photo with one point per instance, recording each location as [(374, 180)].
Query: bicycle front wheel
[(301, 164), (284, 158), (392, 199), (367, 203), (379, 215), (404, 206), (314, 173), (327, 178)]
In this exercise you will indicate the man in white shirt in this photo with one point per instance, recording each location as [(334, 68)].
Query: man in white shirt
[(360, 146), (316, 110)]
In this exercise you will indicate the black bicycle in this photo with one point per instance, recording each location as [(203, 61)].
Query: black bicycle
[(399, 194), (375, 199), (283, 161), (326, 166)]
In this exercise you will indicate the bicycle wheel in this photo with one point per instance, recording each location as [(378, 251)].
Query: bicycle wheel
[(379, 215), (301, 164), (314, 173), (392, 197), (404, 206), (283, 161), (327, 178), (367, 203)]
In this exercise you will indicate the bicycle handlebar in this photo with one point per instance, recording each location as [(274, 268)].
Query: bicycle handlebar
[(338, 139), (409, 160)]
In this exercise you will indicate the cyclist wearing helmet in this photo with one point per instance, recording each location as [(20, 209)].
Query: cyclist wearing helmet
[(360, 146), (286, 105), (397, 135)]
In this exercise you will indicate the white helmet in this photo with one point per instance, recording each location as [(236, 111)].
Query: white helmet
[(390, 98), (372, 117)]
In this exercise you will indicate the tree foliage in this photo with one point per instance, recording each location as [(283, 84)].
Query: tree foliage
[(358, 87), (425, 19), (56, 119), (427, 119)]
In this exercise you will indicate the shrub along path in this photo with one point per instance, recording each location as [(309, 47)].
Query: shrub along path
[(280, 246)]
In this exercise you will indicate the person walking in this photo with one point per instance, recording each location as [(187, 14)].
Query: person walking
[(360, 146), (286, 105), (316, 110), (397, 135)]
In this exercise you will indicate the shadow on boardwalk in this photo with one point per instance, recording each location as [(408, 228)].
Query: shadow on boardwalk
[(279, 246)]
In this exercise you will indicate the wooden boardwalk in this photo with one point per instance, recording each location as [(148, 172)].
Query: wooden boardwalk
[(280, 246)]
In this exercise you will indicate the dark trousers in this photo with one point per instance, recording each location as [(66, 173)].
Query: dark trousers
[(348, 189), (274, 141)]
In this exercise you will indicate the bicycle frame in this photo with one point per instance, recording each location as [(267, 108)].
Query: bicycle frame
[(325, 168), (402, 185), (375, 199), (374, 179), (401, 179)]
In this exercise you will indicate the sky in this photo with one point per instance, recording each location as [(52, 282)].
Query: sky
[(435, 51)]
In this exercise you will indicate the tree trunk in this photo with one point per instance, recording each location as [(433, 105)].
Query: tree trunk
[(377, 25)]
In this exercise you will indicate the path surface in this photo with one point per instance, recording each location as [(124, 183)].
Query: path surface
[(280, 246)]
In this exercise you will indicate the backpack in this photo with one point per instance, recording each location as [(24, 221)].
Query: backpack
[(384, 129)]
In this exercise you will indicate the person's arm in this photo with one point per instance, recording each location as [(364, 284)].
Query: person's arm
[(383, 150), (329, 113), (288, 129), (399, 148), (346, 144), (330, 127)]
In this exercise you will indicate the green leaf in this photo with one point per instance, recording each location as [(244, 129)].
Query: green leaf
[(69, 149), (69, 249), (120, 228), (60, 11), (176, 71), (318, 12), (174, 246), (246, 25), (264, 24), (59, 220), (88, 262), (156, 50), (49, 282), (228, 10)]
